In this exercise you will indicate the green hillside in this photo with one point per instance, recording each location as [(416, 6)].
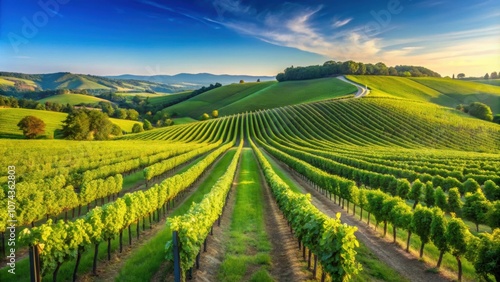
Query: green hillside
[(5, 81), (72, 99), (19, 82), (236, 98), (141, 94), (378, 122), (158, 100), (216, 99), (9, 117), (290, 93), (441, 91), (125, 125), (465, 91), (488, 81)]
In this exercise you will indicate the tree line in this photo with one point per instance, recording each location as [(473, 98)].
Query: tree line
[(331, 68)]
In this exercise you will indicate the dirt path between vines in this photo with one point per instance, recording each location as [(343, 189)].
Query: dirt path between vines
[(109, 270), (391, 254), (211, 260), (287, 265)]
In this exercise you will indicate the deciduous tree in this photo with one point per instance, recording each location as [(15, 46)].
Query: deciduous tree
[(136, 128), (146, 125), (31, 126)]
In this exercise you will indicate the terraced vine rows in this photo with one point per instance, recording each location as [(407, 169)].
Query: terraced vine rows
[(348, 148), (332, 153)]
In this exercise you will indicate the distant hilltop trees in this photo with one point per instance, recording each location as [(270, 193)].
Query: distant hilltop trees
[(332, 68)]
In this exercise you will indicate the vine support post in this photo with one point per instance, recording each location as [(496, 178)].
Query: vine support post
[(198, 260), (315, 265), (177, 257), (34, 256)]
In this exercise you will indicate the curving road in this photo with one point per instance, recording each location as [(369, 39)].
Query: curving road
[(362, 91)]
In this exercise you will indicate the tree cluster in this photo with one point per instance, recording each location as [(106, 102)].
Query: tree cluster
[(477, 109), (87, 125), (143, 106), (332, 68)]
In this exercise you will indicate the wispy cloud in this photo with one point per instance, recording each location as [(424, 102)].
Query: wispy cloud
[(232, 6), (341, 23), (297, 30), (176, 11)]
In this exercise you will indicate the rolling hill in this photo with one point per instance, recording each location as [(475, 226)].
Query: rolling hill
[(72, 99), (488, 81), (9, 117), (377, 122), (64, 80), (441, 91), (194, 80), (235, 98)]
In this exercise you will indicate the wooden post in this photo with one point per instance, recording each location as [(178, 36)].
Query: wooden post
[(177, 257), (315, 264), (35, 273), (198, 261)]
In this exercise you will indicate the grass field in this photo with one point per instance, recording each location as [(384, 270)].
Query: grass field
[(125, 124), (141, 94), (290, 93), (216, 99), (488, 81), (158, 100), (9, 118), (80, 83), (464, 91), (248, 248), (183, 120), (236, 98), (72, 99), (441, 91), (7, 82)]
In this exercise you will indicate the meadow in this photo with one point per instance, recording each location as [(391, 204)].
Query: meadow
[(72, 99), (53, 122)]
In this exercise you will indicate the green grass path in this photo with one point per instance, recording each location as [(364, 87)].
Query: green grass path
[(248, 249)]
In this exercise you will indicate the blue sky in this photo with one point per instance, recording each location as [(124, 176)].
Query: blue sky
[(245, 37)]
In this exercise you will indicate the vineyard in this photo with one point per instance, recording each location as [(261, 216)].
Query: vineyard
[(160, 199)]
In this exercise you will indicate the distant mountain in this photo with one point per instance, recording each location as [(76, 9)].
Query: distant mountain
[(20, 82), (194, 80)]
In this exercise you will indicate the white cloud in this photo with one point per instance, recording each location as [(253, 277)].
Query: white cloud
[(341, 23), (470, 49)]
